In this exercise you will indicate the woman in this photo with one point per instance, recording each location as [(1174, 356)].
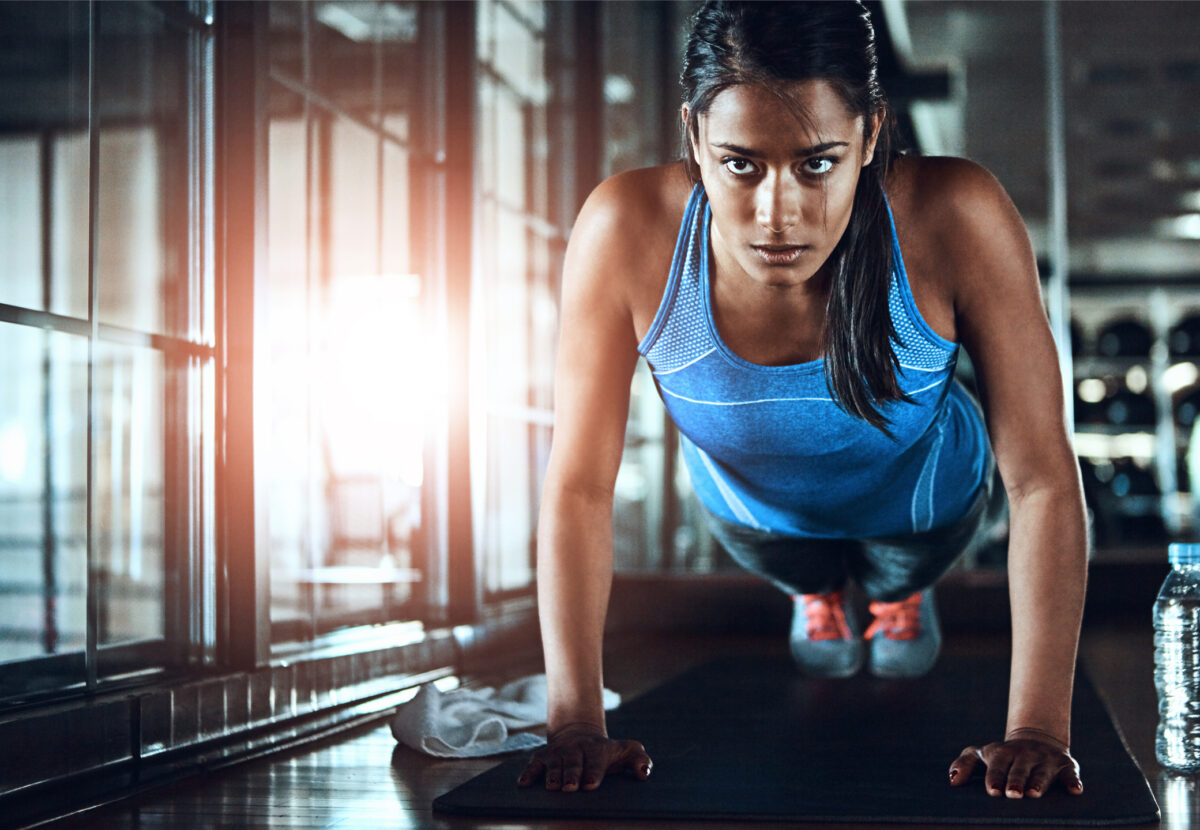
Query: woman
[(801, 293)]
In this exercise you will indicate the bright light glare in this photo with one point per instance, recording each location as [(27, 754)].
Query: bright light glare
[(1136, 380), (375, 394), (618, 89), (1180, 797), (1180, 376), (1186, 226), (1092, 390), (1094, 445)]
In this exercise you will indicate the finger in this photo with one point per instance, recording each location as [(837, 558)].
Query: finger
[(1070, 779), (533, 770), (1039, 780), (1018, 775), (572, 770), (634, 758), (963, 766), (998, 761)]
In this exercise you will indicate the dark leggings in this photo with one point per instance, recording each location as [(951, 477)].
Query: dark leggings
[(887, 569)]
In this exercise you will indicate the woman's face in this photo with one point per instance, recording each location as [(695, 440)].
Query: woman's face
[(780, 189)]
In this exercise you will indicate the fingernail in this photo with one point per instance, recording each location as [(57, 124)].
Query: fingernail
[(644, 770), (953, 774)]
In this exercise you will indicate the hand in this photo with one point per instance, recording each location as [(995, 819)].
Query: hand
[(579, 755), (1025, 764)]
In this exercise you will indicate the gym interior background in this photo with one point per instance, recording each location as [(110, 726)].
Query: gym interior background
[(278, 313)]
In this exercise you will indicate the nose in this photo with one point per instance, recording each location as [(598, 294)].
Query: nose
[(777, 204)]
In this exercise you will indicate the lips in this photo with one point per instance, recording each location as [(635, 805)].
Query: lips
[(779, 254)]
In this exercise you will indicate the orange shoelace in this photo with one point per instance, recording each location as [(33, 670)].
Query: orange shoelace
[(826, 619), (897, 620)]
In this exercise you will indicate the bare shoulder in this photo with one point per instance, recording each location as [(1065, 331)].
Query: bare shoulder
[(945, 193), (625, 236), (960, 223)]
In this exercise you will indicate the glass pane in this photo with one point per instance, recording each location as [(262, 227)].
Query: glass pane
[(518, 53), (282, 384), (44, 113), (396, 246), (506, 300), (515, 295), (354, 191), (513, 138), (513, 491), (69, 225), (143, 229), (286, 28), (637, 497), (344, 384), (21, 269), (343, 36), (43, 504), (542, 326), (128, 484)]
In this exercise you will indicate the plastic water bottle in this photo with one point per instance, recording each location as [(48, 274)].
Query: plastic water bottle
[(1177, 661)]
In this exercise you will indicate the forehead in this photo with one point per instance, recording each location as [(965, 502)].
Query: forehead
[(804, 113)]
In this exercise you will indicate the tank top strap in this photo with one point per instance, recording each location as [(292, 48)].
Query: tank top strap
[(679, 336), (920, 347)]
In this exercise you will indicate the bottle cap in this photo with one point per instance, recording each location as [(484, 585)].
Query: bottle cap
[(1181, 553)]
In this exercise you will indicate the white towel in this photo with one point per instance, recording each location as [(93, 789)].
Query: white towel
[(469, 723)]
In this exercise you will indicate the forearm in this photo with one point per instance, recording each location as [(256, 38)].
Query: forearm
[(575, 557), (1047, 567)]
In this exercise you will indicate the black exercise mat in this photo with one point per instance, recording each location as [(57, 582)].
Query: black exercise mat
[(748, 739)]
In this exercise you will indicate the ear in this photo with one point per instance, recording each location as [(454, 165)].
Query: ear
[(687, 134), (871, 136)]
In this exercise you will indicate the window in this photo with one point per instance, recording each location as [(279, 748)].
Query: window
[(106, 344), (344, 385)]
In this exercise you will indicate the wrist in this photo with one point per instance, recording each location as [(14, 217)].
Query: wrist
[(1035, 734), (578, 727)]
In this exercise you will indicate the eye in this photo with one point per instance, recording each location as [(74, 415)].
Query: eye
[(820, 165), (739, 166)]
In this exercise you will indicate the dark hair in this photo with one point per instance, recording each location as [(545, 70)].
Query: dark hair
[(771, 45)]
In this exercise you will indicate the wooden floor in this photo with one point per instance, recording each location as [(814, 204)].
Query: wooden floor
[(364, 780)]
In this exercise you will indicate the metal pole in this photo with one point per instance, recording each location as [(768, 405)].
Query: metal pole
[(1058, 299)]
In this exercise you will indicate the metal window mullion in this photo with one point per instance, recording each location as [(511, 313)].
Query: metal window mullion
[(316, 249), (516, 14), (49, 539), (379, 140), (459, 74), (1057, 295), (207, 400), (91, 637), (424, 230), (240, 220)]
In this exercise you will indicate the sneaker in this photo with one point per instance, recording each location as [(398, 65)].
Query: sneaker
[(911, 637), (824, 638)]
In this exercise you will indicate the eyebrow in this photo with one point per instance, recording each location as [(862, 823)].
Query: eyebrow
[(801, 153)]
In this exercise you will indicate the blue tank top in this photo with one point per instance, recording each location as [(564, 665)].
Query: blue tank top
[(767, 447)]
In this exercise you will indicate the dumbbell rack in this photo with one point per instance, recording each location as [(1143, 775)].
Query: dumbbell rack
[(1155, 444)]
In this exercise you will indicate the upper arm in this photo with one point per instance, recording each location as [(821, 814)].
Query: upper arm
[(597, 349), (1002, 323)]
